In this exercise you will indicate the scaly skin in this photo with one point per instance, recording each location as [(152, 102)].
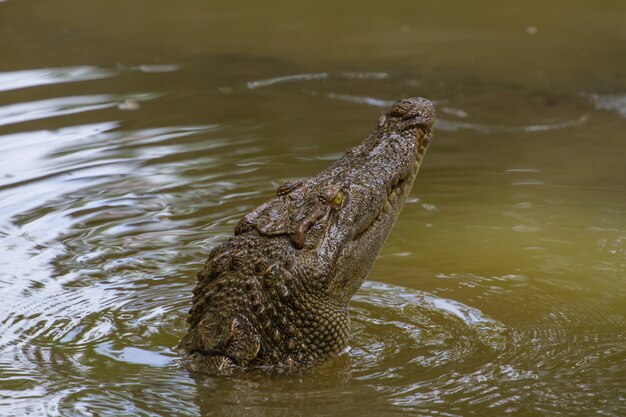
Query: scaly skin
[(277, 292)]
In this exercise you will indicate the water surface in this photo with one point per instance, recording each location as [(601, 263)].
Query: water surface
[(134, 135)]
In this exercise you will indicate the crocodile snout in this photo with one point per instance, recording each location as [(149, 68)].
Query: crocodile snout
[(420, 110)]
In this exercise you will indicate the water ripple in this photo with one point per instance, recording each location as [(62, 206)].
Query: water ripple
[(103, 223), (370, 101), (317, 76), (426, 331), (609, 102), (31, 78), (56, 107), (14, 80), (453, 126), (402, 333), (456, 125)]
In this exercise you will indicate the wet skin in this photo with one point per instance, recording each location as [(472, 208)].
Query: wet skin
[(277, 292)]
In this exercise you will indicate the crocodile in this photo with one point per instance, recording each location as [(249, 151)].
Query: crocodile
[(276, 293)]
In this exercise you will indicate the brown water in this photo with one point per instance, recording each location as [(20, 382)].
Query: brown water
[(134, 134)]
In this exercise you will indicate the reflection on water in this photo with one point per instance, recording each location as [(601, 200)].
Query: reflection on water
[(501, 290), (616, 103), (13, 80), (317, 76)]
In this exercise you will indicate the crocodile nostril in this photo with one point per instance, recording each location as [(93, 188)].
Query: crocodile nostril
[(401, 108), (416, 108)]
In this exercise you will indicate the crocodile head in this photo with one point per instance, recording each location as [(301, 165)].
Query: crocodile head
[(343, 215), (277, 292)]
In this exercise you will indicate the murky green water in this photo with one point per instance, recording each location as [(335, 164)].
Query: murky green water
[(133, 135)]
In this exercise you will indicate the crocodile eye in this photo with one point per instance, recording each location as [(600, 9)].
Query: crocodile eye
[(337, 199)]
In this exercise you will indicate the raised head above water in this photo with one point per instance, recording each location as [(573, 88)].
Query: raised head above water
[(277, 292)]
